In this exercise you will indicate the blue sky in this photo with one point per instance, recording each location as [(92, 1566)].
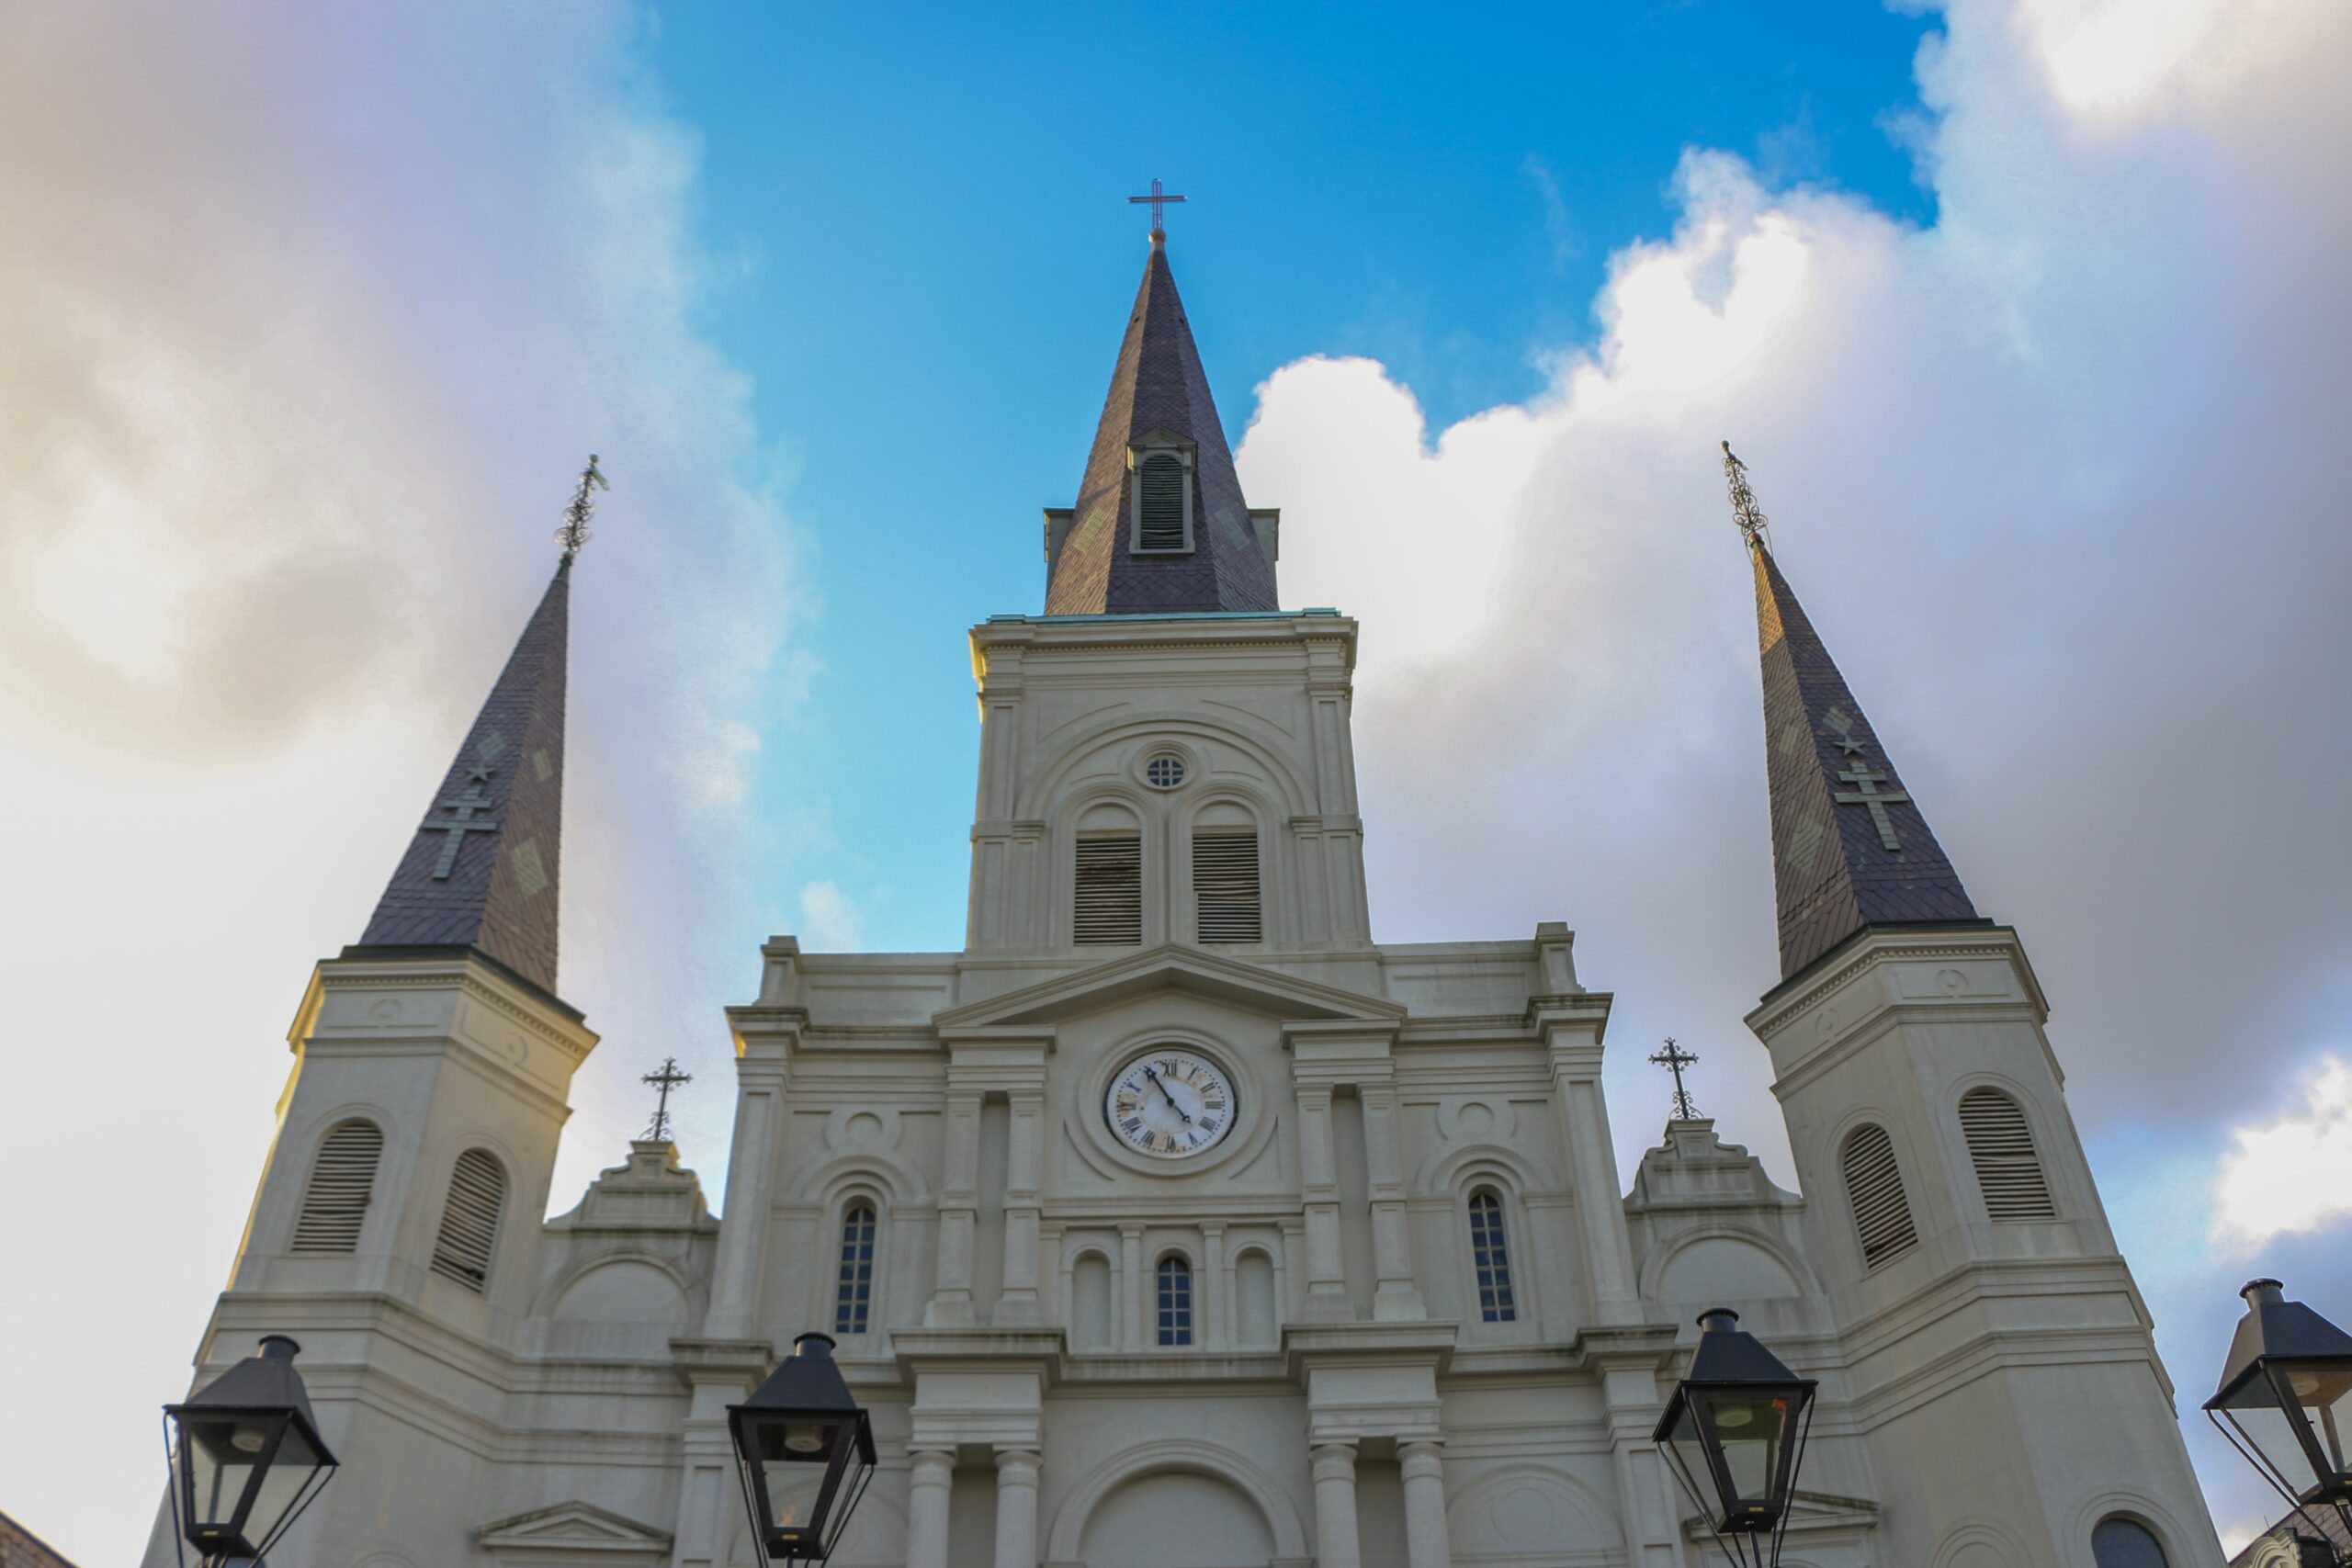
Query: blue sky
[(2026, 315)]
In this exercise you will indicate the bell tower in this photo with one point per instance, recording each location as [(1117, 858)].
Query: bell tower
[(1951, 1211), (397, 1225)]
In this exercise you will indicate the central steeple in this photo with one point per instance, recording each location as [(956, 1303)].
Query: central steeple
[(1160, 526)]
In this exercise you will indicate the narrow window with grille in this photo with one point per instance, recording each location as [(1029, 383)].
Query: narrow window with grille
[(469, 1221), (1874, 1188), (2000, 1145), (1109, 891), (343, 1179), (853, 1295), (1160, 503), (1491, 1254), (1175, 1302), (1224, 886)]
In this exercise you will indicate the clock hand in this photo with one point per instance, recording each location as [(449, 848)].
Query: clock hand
[(1166, 1096)]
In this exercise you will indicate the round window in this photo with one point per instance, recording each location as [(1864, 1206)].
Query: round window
[(1164, 771)]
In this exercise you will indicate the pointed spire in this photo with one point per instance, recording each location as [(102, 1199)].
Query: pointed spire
[(1159, 398), (480, 870), (1849, 847)]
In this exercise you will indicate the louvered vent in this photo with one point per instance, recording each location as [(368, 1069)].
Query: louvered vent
[(1225, 883), (1874, 1188), (1160, 526), (335, 1205), (2000, 1145), (1109, 891), (469, 1221)]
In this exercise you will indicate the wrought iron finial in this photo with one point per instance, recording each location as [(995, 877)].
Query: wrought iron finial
[(1754, 527), (668, 1079), (1156, 202), (574, 532), (1674, 1060)]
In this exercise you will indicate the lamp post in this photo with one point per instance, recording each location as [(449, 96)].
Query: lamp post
[(2286, 1402), (804, 1451), (245, 1455), (1734, 1435)]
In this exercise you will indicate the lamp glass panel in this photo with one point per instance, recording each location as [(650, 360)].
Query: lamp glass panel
[(853, 1474), (1751, 1428), (281, 1485), (222, 1452), (2324, 1389), (1688, 1448), (2255, 1412), (793, 1455)]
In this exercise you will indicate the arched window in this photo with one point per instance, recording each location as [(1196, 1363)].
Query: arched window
[(853, 1288), (1175, 1302), (343, 1179), (2000, 1145), (1227, 907), (1491, 1254), (1253, 1288), (2118, 1542), (1107, 891), (1090, 1307), (469, 1221), (1874, 1190)]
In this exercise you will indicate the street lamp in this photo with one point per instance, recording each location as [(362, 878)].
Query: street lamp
[(804, 1451), (246, 1456), (1734, 1435), (2286, 1400)]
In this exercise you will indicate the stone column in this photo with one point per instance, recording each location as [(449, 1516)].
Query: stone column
[(1214, 1287), (951, 1300), (1017, 1304), (1335, 1507), (1571, 1029), (1397, 1296), (1424, 1471), (742, 1234), (1134, 1298), (927, 1489), (1326, 1281), (1016, 1508)]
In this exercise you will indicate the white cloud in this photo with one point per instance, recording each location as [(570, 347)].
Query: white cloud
[(2292, 1173), (829, 920)]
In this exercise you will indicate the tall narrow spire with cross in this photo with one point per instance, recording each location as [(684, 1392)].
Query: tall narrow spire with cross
[(481, 869), (1217, 554), (1849, 847)]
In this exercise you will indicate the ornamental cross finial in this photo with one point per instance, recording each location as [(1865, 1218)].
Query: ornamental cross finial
[(1674, 1060), (574, 532), (668, 1079), (1156, 202), (1753, 525)]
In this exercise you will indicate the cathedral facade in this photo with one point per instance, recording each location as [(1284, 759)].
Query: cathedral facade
[(1174, 1221)]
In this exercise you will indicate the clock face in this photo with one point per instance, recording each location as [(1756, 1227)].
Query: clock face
[(1171, 1104)]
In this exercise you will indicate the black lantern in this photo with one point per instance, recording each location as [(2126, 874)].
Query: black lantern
[(805, 1452), (2286, 1399), (1733, 1434), (246, 1455)]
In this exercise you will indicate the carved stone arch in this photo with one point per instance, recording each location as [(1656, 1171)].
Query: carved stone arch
[(1525, 1510), (1980, 1542), (2141, 1509), (1253, 737), (1449, 1170), (1181, 1455), (550, 1295), (1803, 1285), (826, 1180), (872, 1177)]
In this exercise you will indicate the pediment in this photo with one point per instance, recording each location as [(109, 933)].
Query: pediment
[(1172, 967), (574, 1528)]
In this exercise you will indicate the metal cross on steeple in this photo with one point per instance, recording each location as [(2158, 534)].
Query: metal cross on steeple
[(1158, 201), (1753, 525), (574, 532), (668, 1079), (1674, 1060)]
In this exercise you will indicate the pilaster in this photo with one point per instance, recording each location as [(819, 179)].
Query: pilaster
[(1571, 1026)]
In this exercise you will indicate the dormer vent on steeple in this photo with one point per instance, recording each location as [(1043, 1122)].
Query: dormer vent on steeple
[(1850, 849), (1160, 526)]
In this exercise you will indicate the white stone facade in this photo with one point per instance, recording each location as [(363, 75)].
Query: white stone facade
[(1347, 1397)]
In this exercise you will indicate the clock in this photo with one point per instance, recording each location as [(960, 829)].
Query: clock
[(1170, 1104)]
